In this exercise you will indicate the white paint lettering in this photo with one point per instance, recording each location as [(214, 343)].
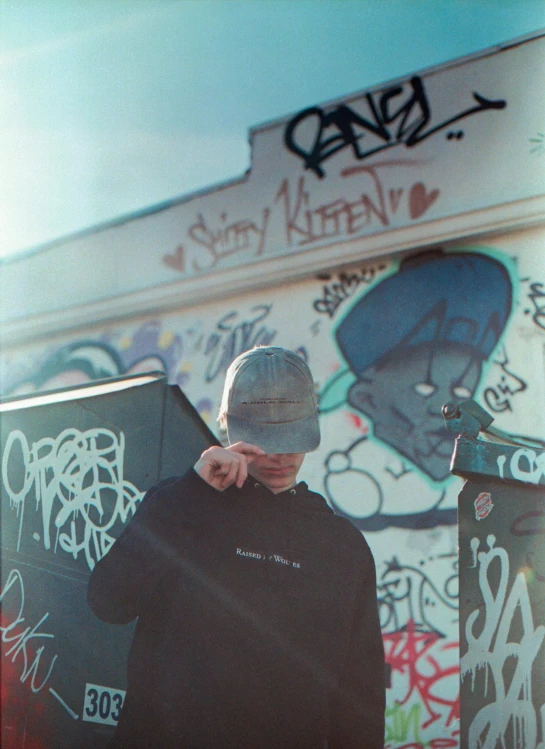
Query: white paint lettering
[(532, 467), (12, 633), (76, 475), (490, 649)]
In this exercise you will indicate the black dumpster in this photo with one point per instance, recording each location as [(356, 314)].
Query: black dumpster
[(75, 466), (502, 586)]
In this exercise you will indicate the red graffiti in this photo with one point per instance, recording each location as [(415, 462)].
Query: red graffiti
[(176, 260), (374, 204), (357, 422), (408, 653), (420, 199), (369, 203), (24, 720), (438, 743)]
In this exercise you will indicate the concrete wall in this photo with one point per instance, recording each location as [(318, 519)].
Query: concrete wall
[(453, 152), (395, 239), (389, 342)]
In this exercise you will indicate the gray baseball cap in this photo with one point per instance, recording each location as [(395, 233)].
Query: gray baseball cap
[(270, 401)]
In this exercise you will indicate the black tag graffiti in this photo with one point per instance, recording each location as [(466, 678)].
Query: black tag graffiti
[(234, 335), (348, 127), (537, 297), (335, 292), (498, 398)]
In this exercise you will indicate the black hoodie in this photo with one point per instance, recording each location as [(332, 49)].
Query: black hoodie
[(257, 621)]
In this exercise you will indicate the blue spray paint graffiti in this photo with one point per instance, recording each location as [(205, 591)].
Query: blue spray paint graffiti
[(149, 348), (414, 341)]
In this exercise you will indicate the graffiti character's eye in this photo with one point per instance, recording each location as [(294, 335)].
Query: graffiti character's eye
[(425, 389), (460, 391)]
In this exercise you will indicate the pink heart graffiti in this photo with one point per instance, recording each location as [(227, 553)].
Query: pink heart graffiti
[(420, 199), (176, 261)]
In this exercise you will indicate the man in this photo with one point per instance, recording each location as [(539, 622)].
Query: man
[(257, 615)]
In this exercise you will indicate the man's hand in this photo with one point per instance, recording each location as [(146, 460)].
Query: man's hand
[(222, 466)]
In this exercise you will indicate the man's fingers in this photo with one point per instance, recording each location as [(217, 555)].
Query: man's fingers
[(232, 473), (249, 451), (232, 469), (246, 448), (222, 467), (242, 473)]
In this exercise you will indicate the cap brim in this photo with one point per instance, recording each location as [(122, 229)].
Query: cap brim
[(301, 436)]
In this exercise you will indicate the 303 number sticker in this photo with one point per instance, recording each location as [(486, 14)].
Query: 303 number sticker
[(102, 704)]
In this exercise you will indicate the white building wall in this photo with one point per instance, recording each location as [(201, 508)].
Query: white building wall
[(322, 264), (456, 151), (398, 491)]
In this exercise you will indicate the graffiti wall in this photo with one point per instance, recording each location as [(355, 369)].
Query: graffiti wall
[(72, 474), (325, 185), (501, 607), (389, 342), (357, 185)]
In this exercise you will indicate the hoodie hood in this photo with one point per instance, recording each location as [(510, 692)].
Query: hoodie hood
[(257, 621), (298, 498)]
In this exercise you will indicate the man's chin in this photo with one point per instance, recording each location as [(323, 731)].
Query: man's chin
[(276, 481)]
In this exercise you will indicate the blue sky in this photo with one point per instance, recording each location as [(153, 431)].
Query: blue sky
[(111, 106)]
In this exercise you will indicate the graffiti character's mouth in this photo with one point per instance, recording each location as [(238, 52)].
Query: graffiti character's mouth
[(443, 434), (439, 442)]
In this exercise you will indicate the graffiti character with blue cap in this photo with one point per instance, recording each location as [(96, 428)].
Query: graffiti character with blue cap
[(414, 341)]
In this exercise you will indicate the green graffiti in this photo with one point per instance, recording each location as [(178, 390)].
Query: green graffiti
[(401, 724)]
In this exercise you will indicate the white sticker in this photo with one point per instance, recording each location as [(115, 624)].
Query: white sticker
[(483, 505), (102, 704)]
